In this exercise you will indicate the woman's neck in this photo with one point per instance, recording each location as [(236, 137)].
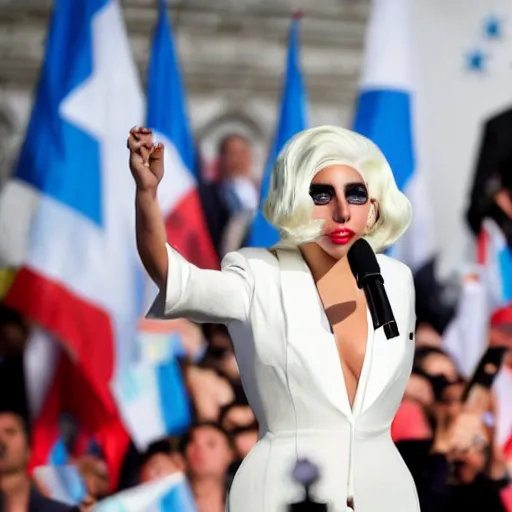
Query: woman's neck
[(321, 264)]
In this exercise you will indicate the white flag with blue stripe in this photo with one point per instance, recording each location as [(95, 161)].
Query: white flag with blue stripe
[(63, 483), (170, 494), (385, 114), (495, 259), (153, 401)]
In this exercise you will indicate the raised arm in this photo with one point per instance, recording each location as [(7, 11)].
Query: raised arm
[(147, 168), (185, 290)]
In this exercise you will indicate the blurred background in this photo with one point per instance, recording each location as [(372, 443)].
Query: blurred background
[(94, 400)]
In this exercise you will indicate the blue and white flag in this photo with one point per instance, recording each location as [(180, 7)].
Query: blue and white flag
[(385, 114), (71, 195), (167, 116), (495, 259), (63, 483), (170, 494), (153, 401), (292, 119), (464, 82)]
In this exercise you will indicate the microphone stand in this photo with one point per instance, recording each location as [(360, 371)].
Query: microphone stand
[(306, 474)]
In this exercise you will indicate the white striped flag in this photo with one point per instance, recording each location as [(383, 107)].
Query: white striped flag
[(169, 494), (153, 401), (495, 259), (167, 117), (61, 483), (72, 197), (385, 114)]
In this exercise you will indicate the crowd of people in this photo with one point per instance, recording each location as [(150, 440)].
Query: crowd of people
[(224, 430), (426, 428)]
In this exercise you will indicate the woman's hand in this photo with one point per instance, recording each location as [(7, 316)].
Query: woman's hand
[(454, 436), (146, 159), (87, 504), (466, 433)]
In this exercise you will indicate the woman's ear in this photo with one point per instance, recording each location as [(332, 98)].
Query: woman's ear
[(373, 216)]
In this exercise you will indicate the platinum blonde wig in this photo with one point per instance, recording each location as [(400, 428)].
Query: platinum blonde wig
[(289, 206)]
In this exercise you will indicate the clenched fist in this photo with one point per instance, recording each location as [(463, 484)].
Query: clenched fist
[(146, 159)]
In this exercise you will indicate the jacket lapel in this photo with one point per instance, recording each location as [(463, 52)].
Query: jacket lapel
[(388, 355), (310, 343)]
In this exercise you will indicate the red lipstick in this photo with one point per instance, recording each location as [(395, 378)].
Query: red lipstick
[(341, 236)]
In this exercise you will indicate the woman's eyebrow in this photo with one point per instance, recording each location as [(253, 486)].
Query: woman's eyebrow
[(321, 185), (355, 183)]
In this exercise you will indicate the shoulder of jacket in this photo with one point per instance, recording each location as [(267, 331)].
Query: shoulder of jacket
[(395, 267), (253, 255), (250, 261)]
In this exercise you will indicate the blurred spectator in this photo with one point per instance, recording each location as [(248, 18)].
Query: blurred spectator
[(501, 335), (419, 389), (427, 336), (17, 492), (459, 466), (461, 479), (435, 301), (161, 459), (94, 472), (449, 396), (240, 423), (231, 201), (220, 356), (215, 380), (209, 391), (491, 195), (411, 422), (14, 333), (432, 361), (208, 452)]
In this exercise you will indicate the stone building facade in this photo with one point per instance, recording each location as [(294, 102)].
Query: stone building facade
[(232, 54)]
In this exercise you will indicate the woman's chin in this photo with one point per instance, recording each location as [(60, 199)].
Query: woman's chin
[(337, 251)]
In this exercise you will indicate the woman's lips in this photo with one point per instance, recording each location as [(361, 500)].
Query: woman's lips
[(341, 236)]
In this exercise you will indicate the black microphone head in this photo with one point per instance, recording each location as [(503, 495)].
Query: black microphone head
[(363, 261)]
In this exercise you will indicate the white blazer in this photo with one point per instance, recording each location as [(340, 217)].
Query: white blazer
[(291, 373)]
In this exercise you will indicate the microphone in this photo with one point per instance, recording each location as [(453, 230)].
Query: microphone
[(305, 473), (363, 264)]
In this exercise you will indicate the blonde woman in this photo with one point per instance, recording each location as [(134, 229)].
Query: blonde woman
[(322, 383)]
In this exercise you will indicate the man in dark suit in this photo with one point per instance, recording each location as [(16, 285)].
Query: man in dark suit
[(230, 202), (17, 491), (491, 195)]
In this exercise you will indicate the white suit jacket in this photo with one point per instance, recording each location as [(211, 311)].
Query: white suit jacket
[(279, 328)]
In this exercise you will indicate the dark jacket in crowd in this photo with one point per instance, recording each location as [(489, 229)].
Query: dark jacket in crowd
[(493, 171), (431, 474), (39, 503), (216, 213)]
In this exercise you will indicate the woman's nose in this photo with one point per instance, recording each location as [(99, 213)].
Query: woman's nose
[(341, 212)]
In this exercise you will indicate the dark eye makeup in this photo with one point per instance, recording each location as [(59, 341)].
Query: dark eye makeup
[(355, 193), (321, 194)]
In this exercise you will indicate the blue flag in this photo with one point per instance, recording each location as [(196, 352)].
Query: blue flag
[(178, 194), (166, 96), (292, 119)]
